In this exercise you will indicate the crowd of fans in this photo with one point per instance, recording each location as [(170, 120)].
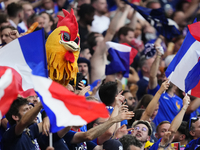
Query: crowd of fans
[(146, 110)]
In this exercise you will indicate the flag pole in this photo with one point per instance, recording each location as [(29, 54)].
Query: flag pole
[(50, 140)]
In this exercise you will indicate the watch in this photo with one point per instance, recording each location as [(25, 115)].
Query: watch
[(163, 146)]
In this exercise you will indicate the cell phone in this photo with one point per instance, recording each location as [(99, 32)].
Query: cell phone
[(79, 78)]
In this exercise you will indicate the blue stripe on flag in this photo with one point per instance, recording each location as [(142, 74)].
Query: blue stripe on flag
[(189, 40), (53, 126), (119, 62), (33, 49), (193, 77)]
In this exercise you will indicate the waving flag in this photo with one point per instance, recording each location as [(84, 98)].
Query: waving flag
[(156, 17), (22, 55), (8, 90), (63, 107), (119, 59), (184, 70)]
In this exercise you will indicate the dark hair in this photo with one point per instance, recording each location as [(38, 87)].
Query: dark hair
[(163, 122), (144, 101), (3, 18), (145, 123), (84, 46), (107, 92), (85, 9), (137, 116), (14, 109), (128, 140), (91, 41), (50, 17), (13, 9), (148, 5), (124, 31), (5, 27), (183, 129), (125, 91)]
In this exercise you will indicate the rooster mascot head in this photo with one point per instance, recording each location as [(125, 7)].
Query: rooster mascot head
[(63, 47)]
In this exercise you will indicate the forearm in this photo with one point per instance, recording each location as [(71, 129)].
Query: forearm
[(151, 107), (113, 26), (192, 8), (177, 120), (133, 22), (31, 115), (100, 129), (37, 4), (193, 105), (62, 132)]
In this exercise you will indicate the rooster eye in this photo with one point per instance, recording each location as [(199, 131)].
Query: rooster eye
[(66, 36), (76, 40)]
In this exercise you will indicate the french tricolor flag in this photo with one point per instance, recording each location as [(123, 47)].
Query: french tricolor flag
[(184, 70), (8, 89), (22, 55), (63, 107), (119, 59)]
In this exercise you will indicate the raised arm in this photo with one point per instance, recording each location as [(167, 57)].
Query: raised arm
[(27, 119), (154, 68), (109, 133), (152, 105), (100, 129), (179, 117), (117, 22)]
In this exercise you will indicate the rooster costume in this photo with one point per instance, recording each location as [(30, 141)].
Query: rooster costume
[(63, 48)]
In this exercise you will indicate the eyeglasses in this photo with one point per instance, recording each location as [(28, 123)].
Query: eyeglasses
[(137, 128), (193, 119), (131, 98)]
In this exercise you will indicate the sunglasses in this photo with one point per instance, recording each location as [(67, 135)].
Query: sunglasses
[(138, 128), (193, 119)]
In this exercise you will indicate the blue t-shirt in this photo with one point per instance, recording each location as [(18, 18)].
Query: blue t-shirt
[(80, 146), (192, 145), (155, 145), (25, 141), (169, 107)]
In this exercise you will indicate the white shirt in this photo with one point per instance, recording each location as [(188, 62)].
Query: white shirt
[(100, 24)]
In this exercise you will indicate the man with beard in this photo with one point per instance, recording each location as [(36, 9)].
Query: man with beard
[(86, 14), (131, 101), (101, 21), (23, 131)]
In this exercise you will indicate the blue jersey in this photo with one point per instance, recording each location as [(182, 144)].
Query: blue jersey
[(25, 141), (155, 145), (192, 145), (169, 107)]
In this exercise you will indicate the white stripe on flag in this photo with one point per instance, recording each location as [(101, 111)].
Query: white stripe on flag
[(187, 62), (5, 81), (63, 116), (11, 55), (119, 47)]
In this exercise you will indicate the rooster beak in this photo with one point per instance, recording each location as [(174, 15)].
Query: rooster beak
[(70, 46)]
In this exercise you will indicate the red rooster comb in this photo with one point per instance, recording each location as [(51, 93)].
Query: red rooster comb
[(69, 21)]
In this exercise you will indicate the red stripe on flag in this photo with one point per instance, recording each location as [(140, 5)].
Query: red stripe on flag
[(10, 94), (194, 30), (195, 91), (78, 105), (18, 79)]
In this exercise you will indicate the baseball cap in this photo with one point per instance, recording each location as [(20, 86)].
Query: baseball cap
[(112, 144)]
